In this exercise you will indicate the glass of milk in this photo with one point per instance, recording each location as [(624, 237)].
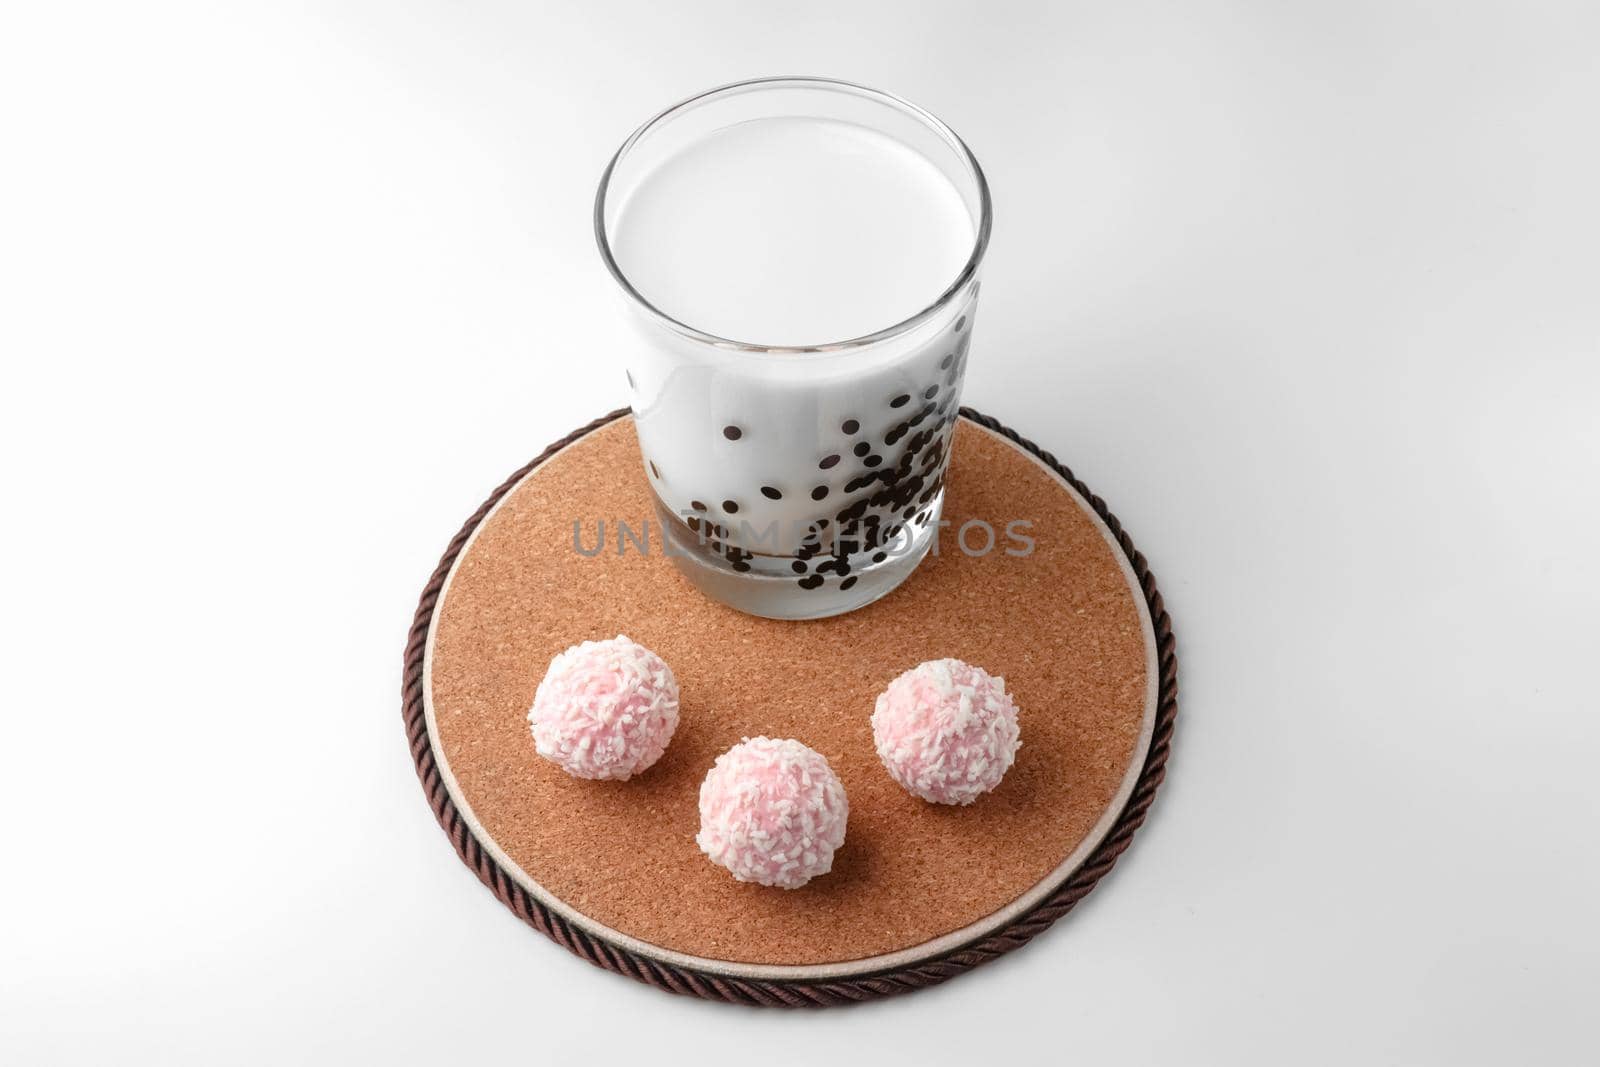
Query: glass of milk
[(800, 261)]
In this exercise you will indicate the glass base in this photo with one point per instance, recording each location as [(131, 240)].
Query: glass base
[(806, 586)]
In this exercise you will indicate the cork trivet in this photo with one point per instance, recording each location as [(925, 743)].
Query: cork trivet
[(1075, 627)]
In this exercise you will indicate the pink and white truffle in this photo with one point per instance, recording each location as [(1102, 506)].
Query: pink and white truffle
[(772, 812), (947, 731), (606, 709)]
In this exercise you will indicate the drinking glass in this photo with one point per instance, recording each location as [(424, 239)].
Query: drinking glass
[(795, 481)]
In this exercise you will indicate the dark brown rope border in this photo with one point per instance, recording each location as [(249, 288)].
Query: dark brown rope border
[(791, 993)]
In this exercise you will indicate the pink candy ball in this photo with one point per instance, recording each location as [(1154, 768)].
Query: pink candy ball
[(947, 731), (606, 709), (772, 812)]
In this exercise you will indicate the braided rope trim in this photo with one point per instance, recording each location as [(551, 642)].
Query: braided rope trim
[(691, 982)]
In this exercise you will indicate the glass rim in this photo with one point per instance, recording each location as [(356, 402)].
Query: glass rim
[(968, 271)]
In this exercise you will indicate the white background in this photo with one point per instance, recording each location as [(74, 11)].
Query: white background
[(1307, 292)]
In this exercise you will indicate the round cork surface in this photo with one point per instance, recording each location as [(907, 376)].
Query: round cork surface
[(1071, 621)]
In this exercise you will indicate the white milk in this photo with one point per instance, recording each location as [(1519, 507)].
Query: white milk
[(797, 232), (793, 231)]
